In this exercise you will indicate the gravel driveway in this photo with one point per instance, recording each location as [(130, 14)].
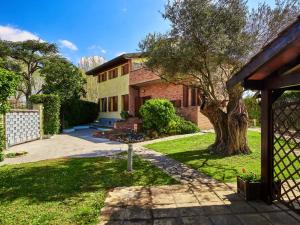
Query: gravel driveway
[(77, 144)]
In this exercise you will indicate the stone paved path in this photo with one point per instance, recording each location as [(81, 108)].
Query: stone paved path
[(198, 200)]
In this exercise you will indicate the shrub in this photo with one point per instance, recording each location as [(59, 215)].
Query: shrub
[(51, 112), (157, 114), (181, 126), (124, 115), (78, 112), (253, 108), (8, 84)]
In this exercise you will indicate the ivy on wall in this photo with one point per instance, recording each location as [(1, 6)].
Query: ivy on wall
[(8, 84)]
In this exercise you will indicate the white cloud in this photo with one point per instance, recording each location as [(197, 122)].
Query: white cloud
[(68, 44), (13, 34), (97, 48), (120, 53)]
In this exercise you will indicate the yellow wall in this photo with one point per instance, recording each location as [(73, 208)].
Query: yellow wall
[(115, 87)]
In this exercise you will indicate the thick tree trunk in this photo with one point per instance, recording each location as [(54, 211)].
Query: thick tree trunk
[(230, 128)]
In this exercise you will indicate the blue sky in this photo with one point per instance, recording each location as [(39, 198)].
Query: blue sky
[(86, 27)]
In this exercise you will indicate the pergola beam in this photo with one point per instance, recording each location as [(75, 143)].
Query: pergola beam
[(278, 82)]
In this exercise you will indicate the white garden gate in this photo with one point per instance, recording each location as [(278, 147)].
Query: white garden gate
[(22, 126)]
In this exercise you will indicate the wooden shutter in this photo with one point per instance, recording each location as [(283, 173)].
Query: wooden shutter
[(185, 96), (194, 97), (115, 103), (125, 100)]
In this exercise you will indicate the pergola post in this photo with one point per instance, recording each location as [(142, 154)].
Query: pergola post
[(267, 136)]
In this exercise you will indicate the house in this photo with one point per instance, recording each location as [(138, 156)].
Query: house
[(124, 84)]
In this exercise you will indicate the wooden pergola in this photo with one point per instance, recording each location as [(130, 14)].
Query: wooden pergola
[(274, 70)]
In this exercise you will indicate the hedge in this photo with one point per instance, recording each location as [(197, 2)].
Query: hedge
[(51, 112), (78, 112)]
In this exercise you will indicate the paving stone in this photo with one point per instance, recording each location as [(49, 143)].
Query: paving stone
[(253, 219), (136, 212), (190, 209), (112, 213), (169, 221), (207, 197), (229, 195), (185, 198), (165, 212), (241, 207), (225, 220), (216, 209), (196, 220), (138, 222), (281, 218), (111, 223), (162, 199), (261, 206)]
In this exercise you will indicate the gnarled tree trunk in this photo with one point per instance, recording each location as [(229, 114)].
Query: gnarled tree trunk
[(230, 125)]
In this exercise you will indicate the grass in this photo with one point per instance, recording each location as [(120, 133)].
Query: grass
[(193, 152), (15, 154), (67, 191)]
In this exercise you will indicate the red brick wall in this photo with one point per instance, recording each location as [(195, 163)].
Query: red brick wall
[(193, 114), (141, 76), (162, 90)]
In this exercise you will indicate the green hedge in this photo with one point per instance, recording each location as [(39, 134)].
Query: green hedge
[(51, 113), (78, 112)]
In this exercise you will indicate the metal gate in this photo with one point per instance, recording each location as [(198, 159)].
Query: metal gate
[(286, 153), (22, 126)]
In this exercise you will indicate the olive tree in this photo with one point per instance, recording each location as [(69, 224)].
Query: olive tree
[(209, 41)]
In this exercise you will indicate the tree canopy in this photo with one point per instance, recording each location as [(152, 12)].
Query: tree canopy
[(209, 41)]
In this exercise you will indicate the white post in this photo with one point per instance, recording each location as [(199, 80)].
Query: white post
[(129, 160)]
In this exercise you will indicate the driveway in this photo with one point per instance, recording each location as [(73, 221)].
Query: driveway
[(80, 143)]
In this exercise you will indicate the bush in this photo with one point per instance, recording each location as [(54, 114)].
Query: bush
[(8, 85), (253, 108), (78, 112), (159, 117), (157, 114), (51, 112), (124, 115), (181, 126)]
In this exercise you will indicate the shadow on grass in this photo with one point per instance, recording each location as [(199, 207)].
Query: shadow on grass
[(205, 161), (59, 180)]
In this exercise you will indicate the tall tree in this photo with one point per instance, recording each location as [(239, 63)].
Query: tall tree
[(31, 56), (62, 78), (208, 43)]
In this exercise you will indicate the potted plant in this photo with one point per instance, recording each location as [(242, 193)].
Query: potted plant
[(249, 186)]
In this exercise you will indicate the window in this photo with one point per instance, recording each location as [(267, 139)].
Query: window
[(185, 96), (194, 97), (103, 77), (137, 65), (113, 103), (103, 102), (125, 69), (125, 102), (113, 73)]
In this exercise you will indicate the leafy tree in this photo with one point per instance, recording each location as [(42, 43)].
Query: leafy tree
[(209, 41), (63, 79), (31, 56)]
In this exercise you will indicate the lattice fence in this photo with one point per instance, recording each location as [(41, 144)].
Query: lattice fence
[(286, 120), (22, 126)]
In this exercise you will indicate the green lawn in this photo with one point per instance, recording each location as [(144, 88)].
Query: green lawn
[(67, 191), (193, 152)]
